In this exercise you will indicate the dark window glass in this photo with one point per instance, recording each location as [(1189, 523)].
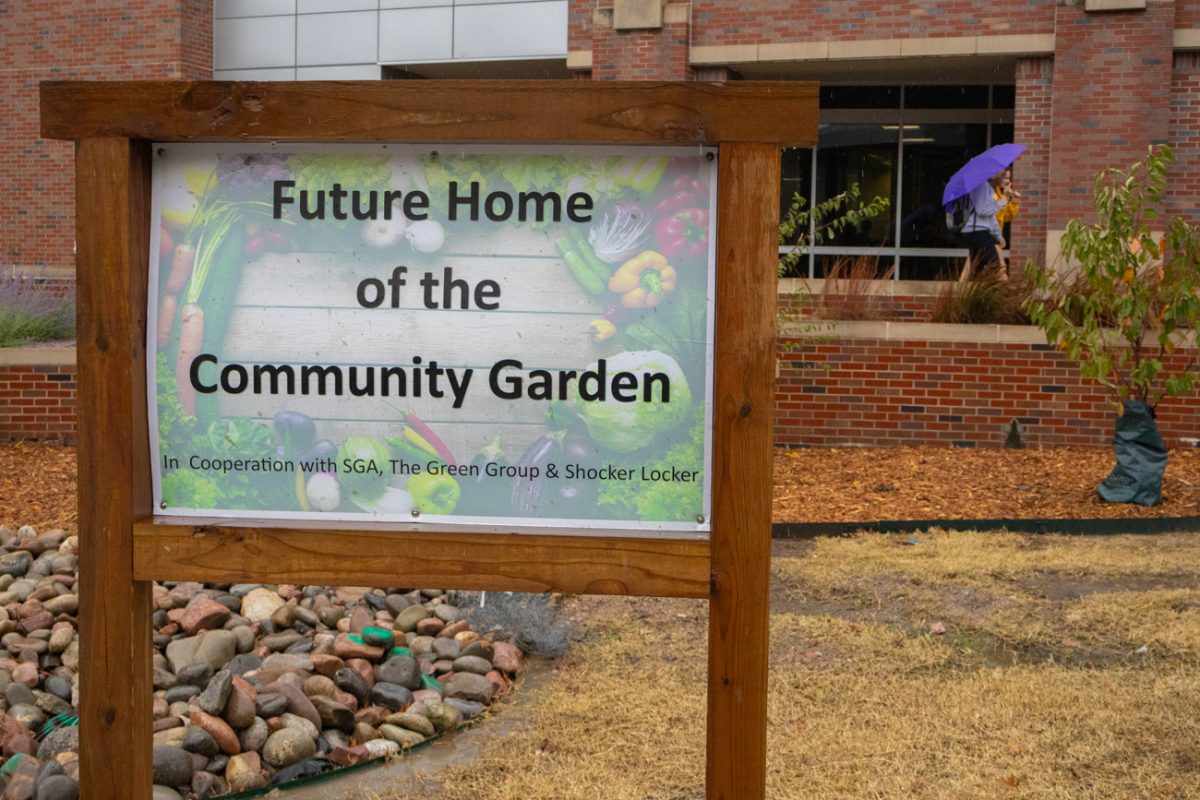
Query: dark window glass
[(945, 97), (932, 153), (1002, 133), (860, 97), (796, 168), (853, 268), (1004, 97), (863, 155)]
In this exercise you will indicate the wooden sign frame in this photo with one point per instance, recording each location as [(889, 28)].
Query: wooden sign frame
[(124, 546)]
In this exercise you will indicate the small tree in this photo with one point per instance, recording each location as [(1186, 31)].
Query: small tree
[(1130, 287), (804, 225)]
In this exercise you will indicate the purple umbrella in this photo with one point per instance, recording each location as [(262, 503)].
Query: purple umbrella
[(979, 169)]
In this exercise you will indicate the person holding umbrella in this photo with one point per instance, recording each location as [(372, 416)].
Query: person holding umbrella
[(979, 182)]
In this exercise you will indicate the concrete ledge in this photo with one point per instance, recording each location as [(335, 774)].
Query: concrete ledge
[(579, 59), (837, 50), (53, 355), (1187, 39), (915, 331)]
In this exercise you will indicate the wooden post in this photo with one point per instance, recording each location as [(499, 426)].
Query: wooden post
[(743, 414), (115, 685)]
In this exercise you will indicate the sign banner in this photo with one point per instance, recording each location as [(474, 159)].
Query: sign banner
[(493, 336)]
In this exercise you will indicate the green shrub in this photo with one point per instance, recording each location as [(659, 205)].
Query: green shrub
[(985, 301)]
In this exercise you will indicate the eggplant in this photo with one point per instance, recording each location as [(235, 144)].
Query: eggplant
[(530, 482), (296, 431)]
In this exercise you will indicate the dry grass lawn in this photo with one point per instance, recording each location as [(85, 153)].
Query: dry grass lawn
[(951, 666)]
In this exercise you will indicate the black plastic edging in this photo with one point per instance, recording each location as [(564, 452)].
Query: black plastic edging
[(1072, 526)]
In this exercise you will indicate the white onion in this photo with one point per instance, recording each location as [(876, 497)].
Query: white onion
[(426, 236), (323, 491)]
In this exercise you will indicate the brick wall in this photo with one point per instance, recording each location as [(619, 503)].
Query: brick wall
[(720, 22), (1112, 85), (75, 40), (852, 391), (1032, 128), (904, 392), (1184, 135), (37, 402)]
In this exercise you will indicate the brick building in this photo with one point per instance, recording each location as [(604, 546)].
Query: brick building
[(910, 90)]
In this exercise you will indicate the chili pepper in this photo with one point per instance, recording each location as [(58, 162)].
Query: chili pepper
[(684, 191), (602, 329), (643, 280), (684, 233)]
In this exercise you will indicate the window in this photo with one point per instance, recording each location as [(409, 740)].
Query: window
[(903, 143)]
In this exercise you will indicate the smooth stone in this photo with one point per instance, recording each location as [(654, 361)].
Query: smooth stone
[(216, 694), (325, 663), (244, 638), (402, 736), (421, 645), (334, 714), (480, 647), (364, 732), (407, 619), (241, 707), (413, 722), (26, 673), (61, 740), (319, 685), (198, 740), (60, 639), (468, 708), (297, 702), (400, 670), (447, 613), (243, 663), (350, 681), (172, 766), (430, 626), (181, 694), (469, 686), (507, 658), (30, 716), (17, 693), (381, 748), (396, 603), (347, 648), (444, 717), (288, 662), (15, 564), (206, 785), (254, 736), (203, 613), (278, 642), (379, 637), (63, 604), (196, 674), (391, 696), (158, 792), (473, 664), (244, 772), (299, 723), (56, 787), (288, 746), (219, 729), (52, 704), (270, 704), (446, 649)]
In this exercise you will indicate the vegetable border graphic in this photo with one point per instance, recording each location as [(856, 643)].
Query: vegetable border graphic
[(596, 415)]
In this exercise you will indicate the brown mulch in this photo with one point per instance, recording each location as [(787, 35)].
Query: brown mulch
[(37, 485)]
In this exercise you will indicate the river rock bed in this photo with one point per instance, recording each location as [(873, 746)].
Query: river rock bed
[(254, 684)]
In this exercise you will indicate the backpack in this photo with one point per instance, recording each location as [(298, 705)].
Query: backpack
[(958, 211)]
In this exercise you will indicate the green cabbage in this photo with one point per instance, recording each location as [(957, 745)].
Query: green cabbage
[(364, 467), (625, 427)]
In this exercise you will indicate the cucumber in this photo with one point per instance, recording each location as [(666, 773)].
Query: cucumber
[(579, 269)]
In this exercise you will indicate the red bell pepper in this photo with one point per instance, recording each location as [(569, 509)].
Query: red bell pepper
[(683, 234), (685, 191)]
